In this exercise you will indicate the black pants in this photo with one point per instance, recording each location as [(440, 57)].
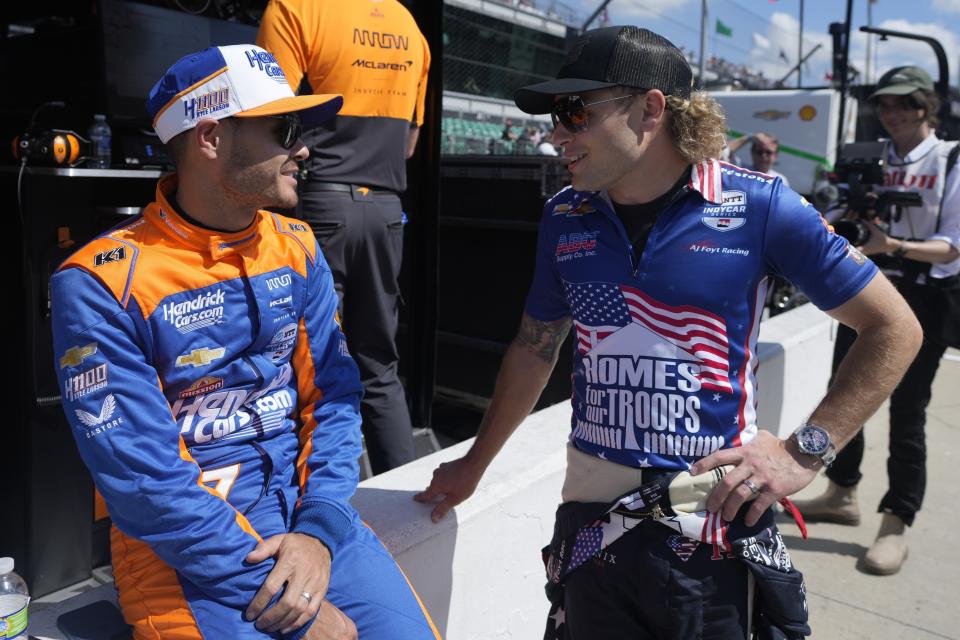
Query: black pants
[(361, 234), (906, 464), (652, 584)]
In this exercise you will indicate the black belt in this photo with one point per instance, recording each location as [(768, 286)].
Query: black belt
[(342, 187)]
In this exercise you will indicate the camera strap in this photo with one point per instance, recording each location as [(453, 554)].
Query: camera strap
[(951, 163)]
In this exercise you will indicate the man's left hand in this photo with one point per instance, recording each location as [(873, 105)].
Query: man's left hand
[(303, 565), (773, 467)]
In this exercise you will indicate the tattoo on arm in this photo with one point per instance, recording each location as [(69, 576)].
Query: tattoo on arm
[(543, 339)]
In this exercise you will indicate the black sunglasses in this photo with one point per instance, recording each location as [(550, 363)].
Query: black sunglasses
[(571, 111), (291, 129)]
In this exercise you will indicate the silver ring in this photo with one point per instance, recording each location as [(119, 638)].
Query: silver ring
[(306, 596), (754, 489)]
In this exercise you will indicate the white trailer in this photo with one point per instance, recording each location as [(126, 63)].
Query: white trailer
[(804, 120)]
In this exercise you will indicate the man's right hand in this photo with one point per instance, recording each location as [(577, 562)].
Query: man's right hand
[(331, 624), (455, 481)]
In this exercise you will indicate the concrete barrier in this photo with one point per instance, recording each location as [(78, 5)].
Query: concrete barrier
[(479, 570)]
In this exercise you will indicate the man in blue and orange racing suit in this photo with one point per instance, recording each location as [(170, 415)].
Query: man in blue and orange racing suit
[(657, 258), (209, 387)]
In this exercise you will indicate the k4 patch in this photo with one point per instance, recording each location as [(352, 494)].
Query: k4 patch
[(113, 255)]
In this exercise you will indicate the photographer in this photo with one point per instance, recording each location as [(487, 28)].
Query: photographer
[(920, 252)]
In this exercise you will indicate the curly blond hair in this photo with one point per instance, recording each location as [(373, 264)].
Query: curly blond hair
[(698, 126)]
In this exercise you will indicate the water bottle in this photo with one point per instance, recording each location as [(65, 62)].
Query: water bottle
[(14, 599), (100, 140)]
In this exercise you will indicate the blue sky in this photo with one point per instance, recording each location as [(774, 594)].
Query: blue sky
[(761, 28)]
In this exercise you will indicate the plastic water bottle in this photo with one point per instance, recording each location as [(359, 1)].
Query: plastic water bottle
[(14, 599), (100, 140)]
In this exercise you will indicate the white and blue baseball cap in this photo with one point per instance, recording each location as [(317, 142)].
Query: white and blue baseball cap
[(240, 80)]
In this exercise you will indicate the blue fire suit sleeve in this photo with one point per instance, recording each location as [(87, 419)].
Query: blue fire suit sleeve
[(129, 441), (329, 389), (546, 299), (800, 246)]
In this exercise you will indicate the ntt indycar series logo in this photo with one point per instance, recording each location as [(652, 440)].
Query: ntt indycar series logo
[(203, 311), (729, 214)]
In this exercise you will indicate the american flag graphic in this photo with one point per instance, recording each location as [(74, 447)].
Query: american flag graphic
[(682, 546), (601, 308), (589, 542)]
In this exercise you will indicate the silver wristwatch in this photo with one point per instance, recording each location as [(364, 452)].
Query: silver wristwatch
[(815, 441)]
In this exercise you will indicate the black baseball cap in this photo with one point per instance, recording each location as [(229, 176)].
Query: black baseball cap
[(609, 57), (901, 81)]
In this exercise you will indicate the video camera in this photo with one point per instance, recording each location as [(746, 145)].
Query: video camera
[(859, 169)]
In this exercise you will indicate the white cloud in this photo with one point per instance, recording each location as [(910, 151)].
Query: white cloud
[(895, 52), (948, 6), (628, 11), (765, 53), (760, 42)]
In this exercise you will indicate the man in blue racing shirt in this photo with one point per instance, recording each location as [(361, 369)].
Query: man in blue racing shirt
[(658, 258)]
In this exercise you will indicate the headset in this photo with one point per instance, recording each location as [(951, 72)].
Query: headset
[(50, 147)]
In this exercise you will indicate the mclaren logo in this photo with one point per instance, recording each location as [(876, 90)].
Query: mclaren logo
[(383, 66), (75, 355), (200, 357)]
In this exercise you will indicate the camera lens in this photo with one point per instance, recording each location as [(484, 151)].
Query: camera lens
[(854, 231)]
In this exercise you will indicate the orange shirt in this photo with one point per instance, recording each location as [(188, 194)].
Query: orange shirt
[(372, 53)]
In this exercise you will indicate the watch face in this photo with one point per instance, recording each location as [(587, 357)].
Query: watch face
[(813, 440)]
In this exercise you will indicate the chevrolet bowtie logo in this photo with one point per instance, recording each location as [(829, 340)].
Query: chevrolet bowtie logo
[(200, 357), (75, 355), (363, 191)]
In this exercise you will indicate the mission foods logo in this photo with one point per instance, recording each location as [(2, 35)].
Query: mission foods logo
[(206, 384)]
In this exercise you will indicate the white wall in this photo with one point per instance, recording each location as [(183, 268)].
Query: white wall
[(479, 570)]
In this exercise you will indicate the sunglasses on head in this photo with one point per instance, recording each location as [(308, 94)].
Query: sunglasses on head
[(571, 111), (291, 129)]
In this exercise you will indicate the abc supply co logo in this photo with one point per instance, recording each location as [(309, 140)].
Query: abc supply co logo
[(576, 245)]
